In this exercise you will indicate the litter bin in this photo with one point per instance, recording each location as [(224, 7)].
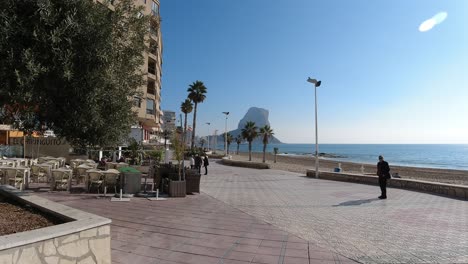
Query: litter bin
[(130, 180)]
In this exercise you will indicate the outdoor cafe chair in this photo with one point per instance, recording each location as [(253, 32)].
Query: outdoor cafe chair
[(81, 172), (61, 179), (2, 176), (110, 179), (94, 179), (38, 174), (15, 177)]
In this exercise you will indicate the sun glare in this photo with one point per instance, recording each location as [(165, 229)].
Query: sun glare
[(435, 20)]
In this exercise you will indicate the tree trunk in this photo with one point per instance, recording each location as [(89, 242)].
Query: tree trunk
[(228, 149), (275, 157), (237, 149), (185, 130), (250, 150), (264, 151), (194, 124)]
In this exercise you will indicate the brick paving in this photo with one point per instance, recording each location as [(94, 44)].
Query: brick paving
[(197, 229), (269, 216), (347, 218)]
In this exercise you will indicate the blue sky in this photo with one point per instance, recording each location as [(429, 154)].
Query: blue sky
[(383, 81)]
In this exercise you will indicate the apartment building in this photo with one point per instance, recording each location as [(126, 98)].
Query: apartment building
[(148, 104)]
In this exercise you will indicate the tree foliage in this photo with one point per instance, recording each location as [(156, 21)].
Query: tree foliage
[(265, 132), (249, 133), (71, 65), (197, 93), (186, 107)]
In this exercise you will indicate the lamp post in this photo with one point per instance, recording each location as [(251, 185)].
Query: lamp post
[(225, 134), (208, 137), (316, 84)]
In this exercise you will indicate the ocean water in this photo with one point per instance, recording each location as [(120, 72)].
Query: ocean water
[(450, 156)]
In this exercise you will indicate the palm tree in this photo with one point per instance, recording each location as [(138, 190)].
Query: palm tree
[(197, 91), (265, 132), (250, 132), (238, 141), (186, 107), (229, 139), (202, 142)]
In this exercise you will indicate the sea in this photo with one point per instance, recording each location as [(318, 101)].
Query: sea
[(442, 156)]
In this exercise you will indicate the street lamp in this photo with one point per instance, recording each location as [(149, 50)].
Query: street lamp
[(208, 123), (225, 134), (316, 84)]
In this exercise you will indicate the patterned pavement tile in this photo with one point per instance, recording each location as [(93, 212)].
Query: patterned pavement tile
[(347, 218)]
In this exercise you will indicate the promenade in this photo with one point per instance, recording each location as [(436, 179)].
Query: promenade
[(347, 218), (270, 216)]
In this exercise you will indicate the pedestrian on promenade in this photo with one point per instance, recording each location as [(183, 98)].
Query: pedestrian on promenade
[(383, 171), (205, 164), (192, 162), (198, 162)]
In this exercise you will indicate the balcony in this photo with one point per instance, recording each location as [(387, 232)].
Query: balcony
[(150, 111), (151, 88), (153, 48)]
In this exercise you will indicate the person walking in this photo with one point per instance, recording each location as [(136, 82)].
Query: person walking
[(383, 171), (205, 164), (198, 163), (192, 162)]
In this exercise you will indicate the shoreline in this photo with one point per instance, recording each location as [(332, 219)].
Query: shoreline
[(300, 164)]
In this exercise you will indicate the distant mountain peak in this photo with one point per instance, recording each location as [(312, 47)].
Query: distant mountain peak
[(257, 115)]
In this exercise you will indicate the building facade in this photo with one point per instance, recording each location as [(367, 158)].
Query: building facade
[(148, 106)]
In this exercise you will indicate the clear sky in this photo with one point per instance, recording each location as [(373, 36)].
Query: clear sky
[(383, 81)]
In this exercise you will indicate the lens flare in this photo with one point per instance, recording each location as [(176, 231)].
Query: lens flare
[(427, 25), (440, 17), (435, 20)]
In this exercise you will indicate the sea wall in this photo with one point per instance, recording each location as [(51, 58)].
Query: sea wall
[(84, 238), (450, 190)]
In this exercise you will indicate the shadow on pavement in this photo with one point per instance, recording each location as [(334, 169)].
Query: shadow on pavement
[(356, 202)]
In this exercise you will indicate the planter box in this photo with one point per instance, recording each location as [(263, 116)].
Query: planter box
[(193, 181), (84, 238), (177, 188)]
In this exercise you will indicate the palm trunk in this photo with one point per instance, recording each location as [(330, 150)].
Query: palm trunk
[(194, 124), (275, 157), (264, 151), (185, 130), (237, 149), (250, 150), (228, 148)]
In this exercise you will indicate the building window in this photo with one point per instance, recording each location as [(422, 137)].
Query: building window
[(137, 101), (153, 48), (152, 67), (154, 9), (150, 106), (151, 88)]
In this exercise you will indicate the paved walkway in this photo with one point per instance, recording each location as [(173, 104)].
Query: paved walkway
[(347, 218), (197, 229)]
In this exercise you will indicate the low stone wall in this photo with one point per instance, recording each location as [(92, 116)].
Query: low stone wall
[(245, 164), (84, 239), (450, 190)]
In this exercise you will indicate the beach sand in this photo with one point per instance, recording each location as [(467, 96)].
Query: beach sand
[(301, 163)]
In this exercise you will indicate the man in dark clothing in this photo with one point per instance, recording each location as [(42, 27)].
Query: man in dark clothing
[(205, 164), (383, 171), (198, 163)]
